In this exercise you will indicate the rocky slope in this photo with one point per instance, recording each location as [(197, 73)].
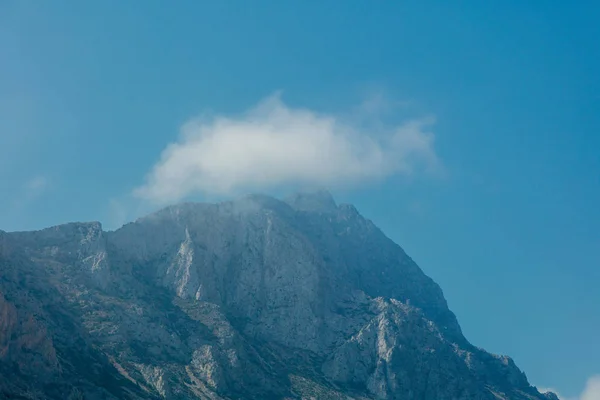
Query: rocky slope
[(251, 299)]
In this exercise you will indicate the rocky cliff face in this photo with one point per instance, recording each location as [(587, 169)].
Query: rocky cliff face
[(251, 299)]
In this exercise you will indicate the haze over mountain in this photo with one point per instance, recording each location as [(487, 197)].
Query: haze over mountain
[(256, 298)]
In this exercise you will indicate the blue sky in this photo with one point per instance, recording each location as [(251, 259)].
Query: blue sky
[(481, 124)]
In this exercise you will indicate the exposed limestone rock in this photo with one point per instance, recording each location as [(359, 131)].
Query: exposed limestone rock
[(250, 299)]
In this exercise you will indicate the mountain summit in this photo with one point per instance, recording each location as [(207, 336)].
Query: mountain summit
[(255, 298)]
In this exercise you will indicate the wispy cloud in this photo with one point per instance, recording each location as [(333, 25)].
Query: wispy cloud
[(118, 213), (273, 144), (590, 392), (37, 183), (30, 191), (35, 187)]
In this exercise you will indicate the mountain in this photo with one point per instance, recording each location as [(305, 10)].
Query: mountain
[(256, 298)]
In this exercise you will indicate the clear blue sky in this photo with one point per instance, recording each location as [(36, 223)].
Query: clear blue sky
[(92, 92)]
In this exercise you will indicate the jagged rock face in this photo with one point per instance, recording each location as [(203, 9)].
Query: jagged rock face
[(254, 298)]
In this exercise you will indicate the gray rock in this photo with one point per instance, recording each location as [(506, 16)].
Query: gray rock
[(254, 298)]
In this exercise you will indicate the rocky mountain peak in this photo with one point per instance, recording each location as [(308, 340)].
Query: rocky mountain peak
[(313, 201), (253, 298)]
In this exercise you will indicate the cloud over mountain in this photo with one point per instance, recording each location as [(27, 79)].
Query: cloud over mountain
[(273, 144)]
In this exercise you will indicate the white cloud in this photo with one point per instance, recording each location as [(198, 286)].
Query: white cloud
[(272, 145), (591, 391)]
